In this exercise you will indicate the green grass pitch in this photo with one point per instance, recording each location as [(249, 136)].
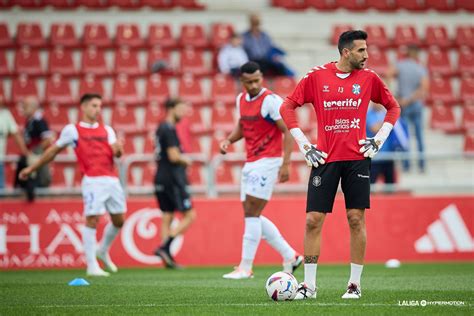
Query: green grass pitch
[(202, 291)]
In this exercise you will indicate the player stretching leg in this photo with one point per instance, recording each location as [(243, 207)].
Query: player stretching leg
[(95, 146), (261, 126), (340, 93)]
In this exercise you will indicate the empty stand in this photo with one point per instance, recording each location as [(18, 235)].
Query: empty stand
[(23, 87), (62, 4), (65, 174), (159, 34), (464, 36), (441, 5), (337, 30), (284, 86), (123, 118), (57, 116), (63, 34), (220, 34), (437, 35), (128, 34), (94, 4), (126, 4), (141, 174), (469, 142), (30, 34), (4, 69), (442, 117), (466, 61), (223, 89), (157, 89), (193, 35), (192, 61), (377, 36), (223, 117), (93, 61), (190, 90), (468, 116), (125, 90), (126, 61), (411, 5), (438, 62), (378, 60), (382, 5), (467, 89), (96, 34), (160, 60), (90, 84), (61, 62), (58, 90), (441, 90), (406, 35), (352, 5), (6, 41), (27, 61), (323, 5), (155, 113)]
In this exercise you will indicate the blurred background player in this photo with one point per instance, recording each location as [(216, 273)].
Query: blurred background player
[(340, 93), (171, 183), (95, 145), (261, 126)]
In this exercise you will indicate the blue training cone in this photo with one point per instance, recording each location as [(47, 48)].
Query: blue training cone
[(78, 282)]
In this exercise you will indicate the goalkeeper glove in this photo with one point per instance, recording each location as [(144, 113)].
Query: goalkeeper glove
[(372, 145), (313, 156)]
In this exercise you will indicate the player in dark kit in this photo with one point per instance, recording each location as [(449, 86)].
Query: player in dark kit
[(340, 93), (171, 183)]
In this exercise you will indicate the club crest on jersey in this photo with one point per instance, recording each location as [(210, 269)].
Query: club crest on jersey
[(317, 181), (356, 88)]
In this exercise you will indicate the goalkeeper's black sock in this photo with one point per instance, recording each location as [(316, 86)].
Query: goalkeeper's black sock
[(167, 243)]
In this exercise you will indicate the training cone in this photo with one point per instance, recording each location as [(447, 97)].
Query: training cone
[(78, 282)]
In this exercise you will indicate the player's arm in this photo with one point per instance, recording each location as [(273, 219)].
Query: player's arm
[(284, 173), (176, 157), (418, 94), (21, 143), (236, 135), (117, 148), (47, 156)]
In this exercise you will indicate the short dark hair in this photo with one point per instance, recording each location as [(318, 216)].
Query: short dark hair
[(346, 39), (249, 67), (171, 103), (89, 96)]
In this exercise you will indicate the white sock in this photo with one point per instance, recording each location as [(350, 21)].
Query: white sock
[(272, 235), (356, 272), (89, 241), (310, 275), (251, 239), (110, 232)]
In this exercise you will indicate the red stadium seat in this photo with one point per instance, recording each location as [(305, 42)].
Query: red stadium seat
[(128, 34), (29, 4), (442, 117), (223, 117), (377, 36), (61, 62), (126, 4), (337, 30), (466, 61), (123, 118), (352, 5), (57, 116), (160, 34), (63, 34), (90, 84), (192, 61), (322, 5), (17, 113), (406, 35), (126, 61), (12, 146), (141, 174), (220, 34), (30, 34), (23, 87), (196, 122), (469, 142), (295, 177), (467, 5), (149, 147), (196, 174), (157, 89), (464, 36), (154, 114), (441, 5), (96, 34), (62, 4), (27, 61), (125, 90), (134, 143), (58, 91), (437, 35), (94, 4), (2, 93), (468, 117), (223, 89), (158, 55), (224, 174), (438, 62), (158, 4), (189, 4), (382, 5), (4, 69), (284, 86), (190, 90), (10, 171), (93, 61), (65, 174), (467, 89), (411, 5), (441, 90), (5, 40), (193, 35), (378, 60), (290, 4)]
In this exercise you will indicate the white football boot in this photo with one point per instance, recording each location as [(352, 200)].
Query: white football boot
[(105, 259), (304, 292), (238, 274), (353, 291), (291, 266), (97, 272)]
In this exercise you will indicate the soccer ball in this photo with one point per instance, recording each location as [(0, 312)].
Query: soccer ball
[(281, 286)]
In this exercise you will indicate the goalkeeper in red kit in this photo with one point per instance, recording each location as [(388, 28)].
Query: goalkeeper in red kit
[(340, 93)]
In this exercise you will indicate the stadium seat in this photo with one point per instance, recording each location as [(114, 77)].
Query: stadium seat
[(406, 35), (377, 36), (90, 84), (5, 40), (224, 175), (93, 61), (468, 116), (12, 146), (220, 34), (23, 87), (149, 147), (466, 61), (189, 4), (441, 5), (295, 177), (223, 89), (467, 88), (223, 117), (196, 174), (378, 60), (157, 89), (337, 30), (437, 35), (192, 61), (438, 62), (126, 61), (126, 4), (3, 97), (61, 62), (65, 174), (442, 117), (159, 34), (467, 5), (128, 34), (141, 174), (4, 69), (382, 5), (196, 122), (155, 113), (94, 4), (62, 4), (290, 4), (29, 4), (63, 34), (17, 112), (352, 5), (464, 36), (322, 5), (58, 90), (161, 58), (411, 5), (190, 90), (27, 61), (30, 34), (284, 86), (125, 90), (134, 142), (96, 34), (57, 116), (158, 4), (469, 142), (123, 118), (441, 90), (193, 35), (10, 170)]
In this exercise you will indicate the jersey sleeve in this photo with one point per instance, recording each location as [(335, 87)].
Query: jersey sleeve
[(111, 136), (170, 139), (68, 136), (303, 92), (271, 107)]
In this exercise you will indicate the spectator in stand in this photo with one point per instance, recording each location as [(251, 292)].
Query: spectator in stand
[(8, 127), (38, 137), (232, 56), (413, 85), (260, 49)]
